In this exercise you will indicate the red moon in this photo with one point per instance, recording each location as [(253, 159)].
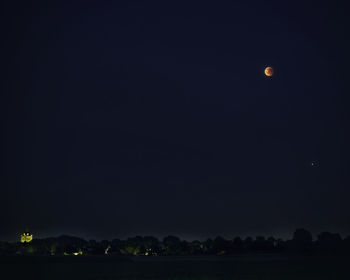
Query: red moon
[(269, 71)]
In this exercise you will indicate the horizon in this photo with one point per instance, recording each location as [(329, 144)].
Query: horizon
[(286, 237)]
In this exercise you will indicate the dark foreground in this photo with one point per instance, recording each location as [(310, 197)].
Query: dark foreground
[(254, 267)]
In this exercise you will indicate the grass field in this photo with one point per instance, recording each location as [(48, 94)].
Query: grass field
[(252, 267)]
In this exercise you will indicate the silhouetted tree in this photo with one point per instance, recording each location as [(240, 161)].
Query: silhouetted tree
[(327, 241), (221, 246), (95, 248), (196, 248), (237, 245), (7, 248), (260, 243), (171, 245), (346, 244), (248, 243), (152, 246), (209, 246), (184, 248), (302, 241), (116, 246), (271, 243), (134, 246)]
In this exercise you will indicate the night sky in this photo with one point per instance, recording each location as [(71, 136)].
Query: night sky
[(124, 118)]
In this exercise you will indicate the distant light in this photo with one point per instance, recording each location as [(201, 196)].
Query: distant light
[(26, 237), (80, 252)]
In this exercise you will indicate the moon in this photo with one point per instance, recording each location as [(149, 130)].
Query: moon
[(269, 71)]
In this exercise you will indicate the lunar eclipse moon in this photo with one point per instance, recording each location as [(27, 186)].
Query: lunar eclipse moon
[(269, 71)]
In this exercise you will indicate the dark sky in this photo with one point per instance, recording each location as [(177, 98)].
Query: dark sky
[(156, 118)]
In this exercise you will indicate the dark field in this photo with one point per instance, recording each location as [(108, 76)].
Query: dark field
[(230, 267)]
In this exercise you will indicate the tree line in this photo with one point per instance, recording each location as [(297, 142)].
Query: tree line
[(302, 242)]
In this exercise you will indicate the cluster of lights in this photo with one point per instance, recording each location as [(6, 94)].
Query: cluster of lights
[(26, 237)]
